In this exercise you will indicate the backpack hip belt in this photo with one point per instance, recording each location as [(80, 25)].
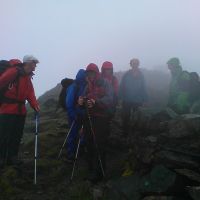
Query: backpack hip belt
[(12, 101)]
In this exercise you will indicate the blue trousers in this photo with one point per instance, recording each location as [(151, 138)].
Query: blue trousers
[(73, 138)]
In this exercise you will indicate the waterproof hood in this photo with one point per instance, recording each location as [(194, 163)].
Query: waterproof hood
[(106, 65), (81, 75)]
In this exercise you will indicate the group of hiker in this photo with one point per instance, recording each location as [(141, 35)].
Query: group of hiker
[(90, 102)]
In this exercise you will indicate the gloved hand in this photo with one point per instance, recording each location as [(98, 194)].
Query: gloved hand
[(91, 103), (80, 101), (37, 108)]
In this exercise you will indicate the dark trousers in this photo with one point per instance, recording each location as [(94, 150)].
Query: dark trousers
[(11, 132), (127, 108), (96, 145)]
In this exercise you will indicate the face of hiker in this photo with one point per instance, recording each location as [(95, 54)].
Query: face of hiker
[(170, 67), (29, 67), (91, 75), (108, 72), (173, 69), (134, 63)]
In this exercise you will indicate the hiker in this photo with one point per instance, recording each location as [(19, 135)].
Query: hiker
[(107, 73), (194, 93), (16, 81), (97, 100), (132, 93), (179, 87), (74, 112)]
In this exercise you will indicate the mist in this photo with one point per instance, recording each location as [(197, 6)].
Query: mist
[(66, 35)]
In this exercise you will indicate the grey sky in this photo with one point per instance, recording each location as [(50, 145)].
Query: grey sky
[(66, 35)]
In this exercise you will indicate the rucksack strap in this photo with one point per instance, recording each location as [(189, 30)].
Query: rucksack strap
[(7, 100), (11, 101)]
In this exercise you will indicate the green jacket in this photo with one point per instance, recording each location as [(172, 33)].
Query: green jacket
[(179, 91)]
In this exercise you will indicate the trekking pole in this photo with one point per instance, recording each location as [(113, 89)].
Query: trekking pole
[(94, 139), (59, 155), (77, 151), (36, 145), (74, 164)]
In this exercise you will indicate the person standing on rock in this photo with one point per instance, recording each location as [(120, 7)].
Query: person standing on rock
[(179, 94), (132, 92), (74, 112), (98, 99), (107, 74), (17, 85)]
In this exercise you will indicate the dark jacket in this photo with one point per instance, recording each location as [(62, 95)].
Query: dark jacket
[(133, 88)]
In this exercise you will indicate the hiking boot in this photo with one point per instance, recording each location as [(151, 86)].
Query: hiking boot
[(94, 177)]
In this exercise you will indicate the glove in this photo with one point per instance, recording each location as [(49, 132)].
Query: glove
[(91, 103), (37, 108), (80, 101)]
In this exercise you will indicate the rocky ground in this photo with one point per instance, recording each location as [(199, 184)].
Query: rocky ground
[(53, 179), (159, 160)]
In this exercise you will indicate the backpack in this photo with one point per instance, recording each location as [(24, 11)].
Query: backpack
[(4, 65), (62, 96)]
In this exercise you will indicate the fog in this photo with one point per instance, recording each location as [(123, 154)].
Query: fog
[(66, 35)]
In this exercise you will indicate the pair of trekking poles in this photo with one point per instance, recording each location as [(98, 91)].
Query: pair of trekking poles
[(78, 146), (77, 150)]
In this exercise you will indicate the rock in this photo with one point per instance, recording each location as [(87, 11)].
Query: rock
[(194, 192), (97, 193), (192, 175), (175, 160), (187, 125), (50, 103), (124, 188), (160, 180), (150, 119), (160, 198)]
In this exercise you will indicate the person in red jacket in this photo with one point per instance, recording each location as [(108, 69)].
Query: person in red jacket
[(107, 74), (98, 101), (16, 81)]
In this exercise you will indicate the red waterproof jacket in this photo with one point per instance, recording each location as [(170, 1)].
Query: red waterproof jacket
[(101, 91), (18, 91)]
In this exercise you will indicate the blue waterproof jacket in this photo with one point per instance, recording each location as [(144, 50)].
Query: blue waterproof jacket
[(72, 94)]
